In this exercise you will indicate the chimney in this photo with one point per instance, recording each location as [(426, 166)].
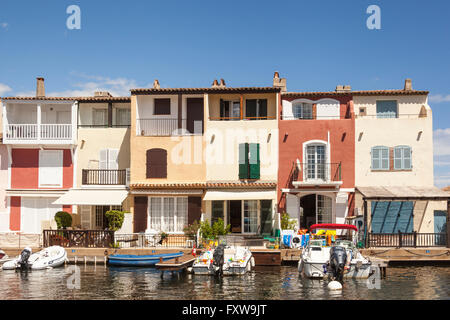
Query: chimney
[(222, 83), (408, 85), (342, 88), (156, 84), (215, 84), (102, 94), (40, 87), (279, 82)]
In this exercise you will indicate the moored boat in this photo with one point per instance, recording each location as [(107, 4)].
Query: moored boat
[(140, 260), (51, 257)]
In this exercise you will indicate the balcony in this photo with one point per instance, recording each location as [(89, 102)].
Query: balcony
[(33, 133), (314, 174), (166, 127), (105, 177)]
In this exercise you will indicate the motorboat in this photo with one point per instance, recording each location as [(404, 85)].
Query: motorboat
[(335, 256), (4, 257), (51, 257), (224, 260), (140, 260)]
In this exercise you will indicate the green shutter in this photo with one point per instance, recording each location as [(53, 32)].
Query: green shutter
[(243, 161), (254, 161)]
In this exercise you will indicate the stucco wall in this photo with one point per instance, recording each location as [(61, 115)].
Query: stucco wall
[(92, 140), (408, 129)]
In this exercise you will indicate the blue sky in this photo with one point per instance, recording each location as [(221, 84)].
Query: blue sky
[(314, 44)]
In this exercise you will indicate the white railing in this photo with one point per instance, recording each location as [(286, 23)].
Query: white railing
[(35, 132), (56, 131), (158, 127), (21, 131)]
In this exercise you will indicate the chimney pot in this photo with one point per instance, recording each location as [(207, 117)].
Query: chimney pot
[(40, 87), (408, 85), (215, 83), (279, 82), (156, 84), (222, 83)]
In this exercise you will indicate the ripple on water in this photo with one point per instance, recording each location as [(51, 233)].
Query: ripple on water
[(99, 282)]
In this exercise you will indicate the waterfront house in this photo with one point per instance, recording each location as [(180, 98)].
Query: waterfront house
[(203, 154), (316, 179), (394, 175), (102, 160), (40, 135)]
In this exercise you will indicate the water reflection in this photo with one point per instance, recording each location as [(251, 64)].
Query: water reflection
[(99, 282)]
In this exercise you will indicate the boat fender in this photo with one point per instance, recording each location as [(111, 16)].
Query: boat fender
[(325, 268), (335, 286), (253, 262)]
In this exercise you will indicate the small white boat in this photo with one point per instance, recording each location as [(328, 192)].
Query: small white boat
[(237, 260), (315, 258), (4, 257), (50, 257)]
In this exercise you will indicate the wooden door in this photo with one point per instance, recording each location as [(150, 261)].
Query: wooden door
[(194, 114)]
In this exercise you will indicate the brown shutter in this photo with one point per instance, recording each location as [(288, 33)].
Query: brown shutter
[(314, 111), (156, 163), (162, 107), (140, 214), (194, 209)]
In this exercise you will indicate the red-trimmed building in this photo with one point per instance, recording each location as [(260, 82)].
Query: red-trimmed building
[(316, 177), (40, 135)]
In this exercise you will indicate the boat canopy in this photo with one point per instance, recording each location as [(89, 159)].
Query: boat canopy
[(333, 226)]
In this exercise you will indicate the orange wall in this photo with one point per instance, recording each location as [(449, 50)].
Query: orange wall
[(14, 217), (342, 145)]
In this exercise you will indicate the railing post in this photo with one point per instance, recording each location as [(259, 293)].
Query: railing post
[(399, 239), (415, 239)]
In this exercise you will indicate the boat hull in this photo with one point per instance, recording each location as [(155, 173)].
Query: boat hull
[(355, 272), (140, 261), (313, 270)]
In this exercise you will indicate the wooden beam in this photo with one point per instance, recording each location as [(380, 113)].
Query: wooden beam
[(242, 106), (180, 111)]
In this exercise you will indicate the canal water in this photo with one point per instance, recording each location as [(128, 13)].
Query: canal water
[(100, 282)]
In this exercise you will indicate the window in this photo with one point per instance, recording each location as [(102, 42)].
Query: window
[(402, 158), (168, 214), (380, 158), (123, 117), (256, 109), (249, 161), (387, 109), (50, 168), (156, 163), (162, 107), (266, 216), (230, 110), (303, 111), (109, 159), (217, 211), (316, 168), (100, 117), (250, 216)]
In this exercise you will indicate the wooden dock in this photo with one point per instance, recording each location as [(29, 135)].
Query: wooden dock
[(175, 264), (266, 257)]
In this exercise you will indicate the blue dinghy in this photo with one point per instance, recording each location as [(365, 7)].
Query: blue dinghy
[(126, 260)]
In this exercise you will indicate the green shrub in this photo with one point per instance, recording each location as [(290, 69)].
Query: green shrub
[(115, 219), (286, 222), (213, 232), (63, 219), (192, 229)]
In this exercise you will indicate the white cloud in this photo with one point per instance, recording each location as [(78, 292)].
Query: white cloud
[(4, 25), (438, 98), (441, 142), (4, 89)]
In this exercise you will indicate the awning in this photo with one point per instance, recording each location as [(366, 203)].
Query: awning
[(403, 193), (93, 197), (240, 195)]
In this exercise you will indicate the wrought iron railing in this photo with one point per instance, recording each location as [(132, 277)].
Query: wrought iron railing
[(316, 172), (142, 240), (79, 238), (104, 177), (411, 240)]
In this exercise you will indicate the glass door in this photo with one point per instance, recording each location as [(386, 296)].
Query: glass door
[(250, 216), (316, 158)]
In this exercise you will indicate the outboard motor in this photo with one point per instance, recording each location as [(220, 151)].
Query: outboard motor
[(338, 258), (219, 259), (23, 260)]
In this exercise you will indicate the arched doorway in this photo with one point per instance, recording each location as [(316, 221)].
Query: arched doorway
[(315, 208)]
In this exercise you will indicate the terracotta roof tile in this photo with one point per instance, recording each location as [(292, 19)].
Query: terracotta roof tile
[(149, 91), (357, 93), (80, 99), (202, 185)]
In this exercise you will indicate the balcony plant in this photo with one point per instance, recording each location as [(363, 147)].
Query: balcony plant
[(63, 220), (212, 232), (191, 229), (286, 222)]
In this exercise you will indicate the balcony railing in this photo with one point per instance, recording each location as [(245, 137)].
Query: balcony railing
[(104, 177), (158, 127), (78, 238), (411, 240), (22, 132), (318, 173)]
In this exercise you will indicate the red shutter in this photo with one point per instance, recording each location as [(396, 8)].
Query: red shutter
[(140, 214), (156, 163)]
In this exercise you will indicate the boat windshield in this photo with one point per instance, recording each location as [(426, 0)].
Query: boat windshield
[(344, 243), (316, 243)]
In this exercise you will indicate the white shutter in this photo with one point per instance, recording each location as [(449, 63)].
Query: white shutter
[(293, 206), (28, 216), (85, 217), (113, 159), (50, 168), (103, 164)]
